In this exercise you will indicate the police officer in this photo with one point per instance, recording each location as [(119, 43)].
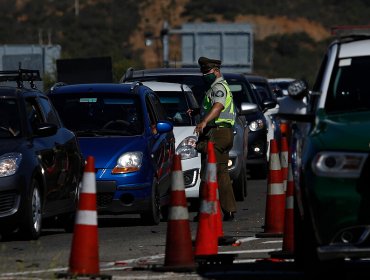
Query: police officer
[(217, 121)]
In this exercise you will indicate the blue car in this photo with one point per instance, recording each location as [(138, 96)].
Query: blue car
[(125, 128)]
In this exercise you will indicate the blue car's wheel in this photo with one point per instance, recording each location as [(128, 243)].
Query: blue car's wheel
[(153, 215)]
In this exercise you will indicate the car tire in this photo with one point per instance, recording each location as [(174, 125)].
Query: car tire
[(305, 256), (31, 223), (153, 215), (259, 172), (240, 185)]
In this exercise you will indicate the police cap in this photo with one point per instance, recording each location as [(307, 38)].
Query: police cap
[(207, 64)]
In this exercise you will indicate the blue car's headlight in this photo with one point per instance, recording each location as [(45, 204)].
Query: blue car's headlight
[(338, 164), (128, 162), (256, 125), (9, 163), (186, 149)]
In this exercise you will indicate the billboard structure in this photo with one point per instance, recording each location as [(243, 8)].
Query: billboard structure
[(35, 57), (232, 43)]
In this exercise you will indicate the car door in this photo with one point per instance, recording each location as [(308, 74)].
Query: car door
[(52, 154), (163, 144)]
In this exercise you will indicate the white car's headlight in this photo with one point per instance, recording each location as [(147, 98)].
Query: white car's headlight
[(338, 164), (186, 149), (128, 162), (256, 125), (9, 163)]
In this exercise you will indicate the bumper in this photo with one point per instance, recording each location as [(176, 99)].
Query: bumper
[(122, 199), (235, 164), (358, 248), (10, 197), (257, 147)]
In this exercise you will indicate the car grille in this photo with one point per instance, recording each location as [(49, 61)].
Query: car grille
[(190, 177), (8, 201), (104, 199)]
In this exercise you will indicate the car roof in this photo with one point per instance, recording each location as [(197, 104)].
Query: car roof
[(280, 80), (255, 78), (164, 86), (354, 48), (132, 73), (94, 87)]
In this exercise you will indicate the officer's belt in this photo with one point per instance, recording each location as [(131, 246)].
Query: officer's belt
[(228, 125)]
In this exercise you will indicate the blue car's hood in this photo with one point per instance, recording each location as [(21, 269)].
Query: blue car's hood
[(8, 145), (106, 150), (345, 132)]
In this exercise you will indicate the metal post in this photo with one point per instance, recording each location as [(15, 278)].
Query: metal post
[(164, 36)]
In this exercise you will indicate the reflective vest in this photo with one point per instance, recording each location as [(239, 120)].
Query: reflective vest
[(227, 115)]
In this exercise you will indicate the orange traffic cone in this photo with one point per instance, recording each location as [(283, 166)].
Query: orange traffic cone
[(206, 242), (288, 239), (213, 187), (84, 257), (179, 250), (275, 202), (284, 160)]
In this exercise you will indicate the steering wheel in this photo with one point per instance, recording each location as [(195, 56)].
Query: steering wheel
[(116, 124)]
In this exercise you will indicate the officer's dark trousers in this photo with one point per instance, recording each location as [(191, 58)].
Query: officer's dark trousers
[(223, 141)]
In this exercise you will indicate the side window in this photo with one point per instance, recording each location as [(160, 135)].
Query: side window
[(34, 115), (49, 112), (159, 108), (152, 116)]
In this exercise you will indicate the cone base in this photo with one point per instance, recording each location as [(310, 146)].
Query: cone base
[(67, 275), (282, 254), (269, 234), (226, 240), (179, 268)]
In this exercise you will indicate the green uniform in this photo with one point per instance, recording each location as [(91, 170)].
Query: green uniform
[(220, 131)]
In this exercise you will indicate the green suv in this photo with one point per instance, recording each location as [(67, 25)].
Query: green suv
[(330, 155)]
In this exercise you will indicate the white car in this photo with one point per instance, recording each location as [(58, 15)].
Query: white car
[(178, 99)]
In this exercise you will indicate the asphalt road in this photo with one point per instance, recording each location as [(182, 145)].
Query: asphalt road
[(128, 250)]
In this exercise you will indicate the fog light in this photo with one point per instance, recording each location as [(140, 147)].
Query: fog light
[(257, 149)]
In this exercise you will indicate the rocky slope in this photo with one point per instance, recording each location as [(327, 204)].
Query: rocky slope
[(154, 12)]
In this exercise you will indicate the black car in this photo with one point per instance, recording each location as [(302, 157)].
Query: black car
[(41, 164), (266, 96), (246, 153)]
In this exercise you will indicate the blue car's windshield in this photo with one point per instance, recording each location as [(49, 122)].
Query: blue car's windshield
[(95, 114), (349, 86)]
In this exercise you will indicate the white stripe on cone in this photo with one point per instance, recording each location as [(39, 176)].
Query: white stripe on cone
[(275, 162), (178, 213), (86, 217), (209, 207), (178, 181), (88, 183), (289, 202), (276, 188), (212, 172)]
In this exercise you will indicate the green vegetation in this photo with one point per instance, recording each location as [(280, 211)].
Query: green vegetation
[(103, 28)]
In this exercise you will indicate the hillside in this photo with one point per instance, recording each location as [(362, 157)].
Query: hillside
[(290, 36)]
